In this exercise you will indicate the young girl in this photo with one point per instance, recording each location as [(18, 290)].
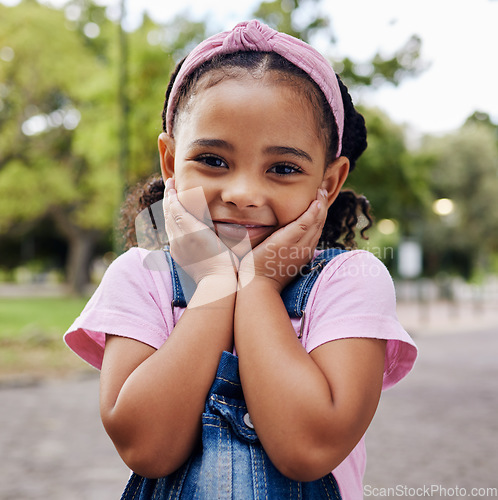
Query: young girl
[(264, 385)]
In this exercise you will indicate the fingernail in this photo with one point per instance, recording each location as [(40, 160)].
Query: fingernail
[(324, 193)]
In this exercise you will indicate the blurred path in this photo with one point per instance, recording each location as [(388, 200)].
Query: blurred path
[(438, 427), (53, 446)]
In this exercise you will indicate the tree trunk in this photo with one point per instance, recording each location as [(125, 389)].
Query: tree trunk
[(81, 248), (81, 243)]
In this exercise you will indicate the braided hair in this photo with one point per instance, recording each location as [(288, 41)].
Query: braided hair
[(343, 216)]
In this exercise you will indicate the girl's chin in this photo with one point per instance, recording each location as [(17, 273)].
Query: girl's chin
[(241, 247), (241, 240)]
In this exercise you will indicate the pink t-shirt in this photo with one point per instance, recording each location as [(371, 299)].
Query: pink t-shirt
[(353, 297)]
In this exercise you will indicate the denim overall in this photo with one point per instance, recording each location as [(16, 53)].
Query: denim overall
[(230, 463)]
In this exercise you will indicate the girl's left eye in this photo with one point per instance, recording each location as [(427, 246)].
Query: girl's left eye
[(212, 161), (285, 169)]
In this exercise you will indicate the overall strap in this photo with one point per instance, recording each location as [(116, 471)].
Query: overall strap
[(178, 295), (295, 294)]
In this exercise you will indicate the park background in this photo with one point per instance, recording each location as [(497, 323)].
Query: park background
[(81, 90)]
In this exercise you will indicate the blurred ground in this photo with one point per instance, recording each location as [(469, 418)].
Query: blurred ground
[(439, 427), (436, 429)]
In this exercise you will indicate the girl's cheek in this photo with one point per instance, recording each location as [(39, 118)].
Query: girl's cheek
[(297, 210)]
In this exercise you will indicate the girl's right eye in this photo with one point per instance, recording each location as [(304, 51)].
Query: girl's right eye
[(212, 161)]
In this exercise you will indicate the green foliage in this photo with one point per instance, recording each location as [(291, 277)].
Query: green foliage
[(484, 119), (465, 170), (60, 119), (153, 52), (394, 180), (53, 140), (403, 63)]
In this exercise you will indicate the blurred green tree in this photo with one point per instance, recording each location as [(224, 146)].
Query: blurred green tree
[(464, 170), (59, 118), (54, 140), (394, 179), (153, 52)]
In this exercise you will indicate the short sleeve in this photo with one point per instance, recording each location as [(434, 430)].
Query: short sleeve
[(133, 300), (354, 297)]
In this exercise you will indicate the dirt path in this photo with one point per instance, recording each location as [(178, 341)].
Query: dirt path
[(438, 428)]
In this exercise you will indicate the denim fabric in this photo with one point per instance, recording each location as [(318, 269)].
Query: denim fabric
[(231, 463), (181, 281)]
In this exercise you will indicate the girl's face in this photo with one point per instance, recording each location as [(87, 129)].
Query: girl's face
[(254, 147)]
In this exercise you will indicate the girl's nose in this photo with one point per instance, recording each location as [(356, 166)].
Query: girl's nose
[(242, 191)]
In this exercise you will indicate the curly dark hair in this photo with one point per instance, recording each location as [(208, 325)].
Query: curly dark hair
[(347, 210)]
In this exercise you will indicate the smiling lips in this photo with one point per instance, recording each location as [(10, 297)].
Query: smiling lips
[(239, 231)]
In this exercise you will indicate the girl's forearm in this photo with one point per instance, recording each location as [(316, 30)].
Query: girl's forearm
[(288, 397), (155, 418)]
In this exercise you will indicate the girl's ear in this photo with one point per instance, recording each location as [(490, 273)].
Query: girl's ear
[(166, 145), (334, 177)]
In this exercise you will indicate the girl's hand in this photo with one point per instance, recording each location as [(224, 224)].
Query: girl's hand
[(195, 246), (281, 256)]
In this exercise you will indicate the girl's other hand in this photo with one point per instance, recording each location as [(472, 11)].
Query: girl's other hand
[(193, 245), (282, 255)]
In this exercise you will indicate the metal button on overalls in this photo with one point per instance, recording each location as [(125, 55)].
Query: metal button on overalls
[(248, 421)]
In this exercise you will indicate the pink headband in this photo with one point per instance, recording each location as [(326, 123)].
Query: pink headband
[(254, 36)]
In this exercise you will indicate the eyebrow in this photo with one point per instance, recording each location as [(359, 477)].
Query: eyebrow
[(286, 150), (212, 143)]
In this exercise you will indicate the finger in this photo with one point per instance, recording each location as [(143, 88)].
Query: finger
[(176, 218), (171, 227), (195, 239), (185, 221), (314, 218), (308, 226), (168, 185)]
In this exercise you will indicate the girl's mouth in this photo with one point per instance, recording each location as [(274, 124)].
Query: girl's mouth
[(236, 232)]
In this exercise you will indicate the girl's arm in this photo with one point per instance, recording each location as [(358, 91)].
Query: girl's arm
[(309, 410), (152, 401)]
